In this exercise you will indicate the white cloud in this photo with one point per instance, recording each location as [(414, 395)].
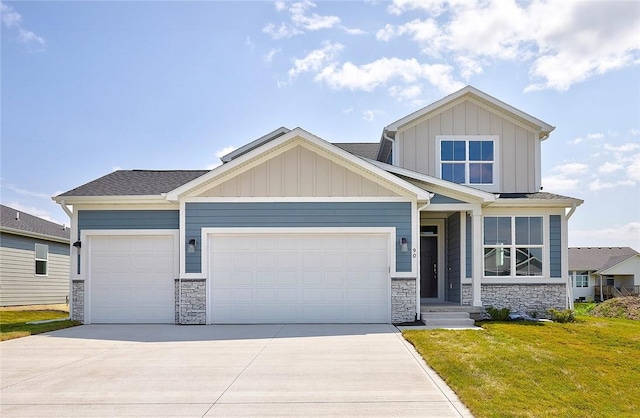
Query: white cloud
[(25, 192), (268, 58), (249, 43), (402, 93), (468, 67), (315, 60), (368, 77), (595, 136), (559, 183), (628, 147), (618, 236), (301, 21), (354, 31), (571, 168), (13, 21), (565, 41), (608, 167), (599, 185), (634, 132), (633, 169), (221, 153), (370, 115)]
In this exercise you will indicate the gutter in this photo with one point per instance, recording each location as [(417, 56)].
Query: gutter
[(570, 213), (65, 208)]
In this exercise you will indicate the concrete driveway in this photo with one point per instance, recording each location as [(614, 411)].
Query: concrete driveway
[(207, 371)]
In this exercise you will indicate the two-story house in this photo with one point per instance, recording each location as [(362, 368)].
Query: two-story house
[(446, 208)]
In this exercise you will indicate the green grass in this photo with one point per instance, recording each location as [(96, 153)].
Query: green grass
[(583, 308), (590, 368), (13, 324)]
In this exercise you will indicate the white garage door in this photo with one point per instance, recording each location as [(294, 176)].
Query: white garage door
[(299, 278), (132, 279)]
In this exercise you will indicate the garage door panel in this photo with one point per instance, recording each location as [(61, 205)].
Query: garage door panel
[(132, 279), (299, 278)]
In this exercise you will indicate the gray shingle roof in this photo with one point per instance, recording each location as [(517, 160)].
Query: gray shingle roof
[(136, 183), (30, 224), (361, 149), (537, 195), (598, 258)]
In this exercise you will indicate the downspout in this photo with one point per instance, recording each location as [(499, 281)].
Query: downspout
[(388, 138), (66, 210), (570, 213)]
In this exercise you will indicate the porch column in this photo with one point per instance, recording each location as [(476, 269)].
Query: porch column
[(478, 256)]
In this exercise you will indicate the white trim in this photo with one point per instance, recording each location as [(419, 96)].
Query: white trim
[(523, 280), (357, 199), (34, 235), (536, 203), (36, 259), (450, 207), (114, 206), (441, 250), (207, 233), (255, 144), (440, 186), (293, 138), (494, 186), (85, 267), (111, 200), (463, 250)]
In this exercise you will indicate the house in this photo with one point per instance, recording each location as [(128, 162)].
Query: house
[(34, 260), (600, 273), (446, 208)]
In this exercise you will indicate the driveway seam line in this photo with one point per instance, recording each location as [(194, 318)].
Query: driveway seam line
[(243, 370)]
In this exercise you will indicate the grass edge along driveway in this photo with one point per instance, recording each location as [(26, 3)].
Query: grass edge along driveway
[(13, 324), (590, 368)]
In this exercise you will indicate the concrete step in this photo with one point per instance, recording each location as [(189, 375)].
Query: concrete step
[(447, 319)]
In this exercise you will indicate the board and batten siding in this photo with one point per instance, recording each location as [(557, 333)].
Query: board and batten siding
[(518, 147), (19, 285), (298, 172), (298, 214), (555, 246), (454, 278)]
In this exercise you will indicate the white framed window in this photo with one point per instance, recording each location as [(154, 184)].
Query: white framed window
[(468, 159), (42, 259), (513, 246), (581, 279)]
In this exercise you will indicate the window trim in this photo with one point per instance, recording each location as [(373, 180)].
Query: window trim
[(574, 278), (514, 246), (36, 260), (494, 185)]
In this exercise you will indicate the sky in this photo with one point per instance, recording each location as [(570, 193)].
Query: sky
[(89, 87)]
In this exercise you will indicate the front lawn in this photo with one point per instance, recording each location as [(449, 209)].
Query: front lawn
[(590, 368), (13, 324)]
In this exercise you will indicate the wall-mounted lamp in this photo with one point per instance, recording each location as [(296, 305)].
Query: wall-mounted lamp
[(77, 244), (191, 247), (404, 246)]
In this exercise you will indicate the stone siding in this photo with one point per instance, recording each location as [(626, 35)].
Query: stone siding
[(192, 302), (77, 300), (403, 300), (526, 298)]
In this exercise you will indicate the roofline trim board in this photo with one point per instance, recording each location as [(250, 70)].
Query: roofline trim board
[(29, 234)]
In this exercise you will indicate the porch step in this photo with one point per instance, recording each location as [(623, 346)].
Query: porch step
[(447, 319)]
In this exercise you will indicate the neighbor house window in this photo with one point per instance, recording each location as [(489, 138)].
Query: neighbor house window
[(468, 160), (513, 246), (582, 279), (42, 259)]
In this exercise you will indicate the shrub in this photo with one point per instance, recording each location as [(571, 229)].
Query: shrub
[(498, 314), (565, 315)]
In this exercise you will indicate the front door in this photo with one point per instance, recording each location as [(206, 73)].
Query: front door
[(429, 267)]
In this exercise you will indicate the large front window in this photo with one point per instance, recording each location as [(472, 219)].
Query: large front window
[(467, 161), (512, 246)]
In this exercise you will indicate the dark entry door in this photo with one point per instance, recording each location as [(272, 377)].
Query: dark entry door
[(429, 267)]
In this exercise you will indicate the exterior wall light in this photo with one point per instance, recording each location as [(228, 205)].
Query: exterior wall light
[(191, 247), (404, 246), (77, 244)]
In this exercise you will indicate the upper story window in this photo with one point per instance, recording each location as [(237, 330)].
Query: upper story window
[(468, 159), (42, 259)]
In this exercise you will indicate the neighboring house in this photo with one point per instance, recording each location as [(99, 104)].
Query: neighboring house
[(446, 208), (600, 273), (34, 260)]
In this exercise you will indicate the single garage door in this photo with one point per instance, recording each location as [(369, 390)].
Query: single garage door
[(299, 278), (132, 279)]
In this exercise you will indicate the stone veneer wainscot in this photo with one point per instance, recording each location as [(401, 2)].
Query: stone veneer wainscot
[(520, 297), (403, 300)]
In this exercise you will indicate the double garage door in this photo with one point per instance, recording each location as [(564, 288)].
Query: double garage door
[(253, 278)]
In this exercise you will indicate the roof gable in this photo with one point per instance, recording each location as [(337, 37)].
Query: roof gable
[(276, 146), (482, 98)]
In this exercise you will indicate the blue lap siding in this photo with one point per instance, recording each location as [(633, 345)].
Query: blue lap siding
[(555, 245), (298, 214)]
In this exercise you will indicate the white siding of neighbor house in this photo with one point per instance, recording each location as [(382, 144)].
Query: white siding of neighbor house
[(630, 268), (518, 146), (19, 284), (298, 172)]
